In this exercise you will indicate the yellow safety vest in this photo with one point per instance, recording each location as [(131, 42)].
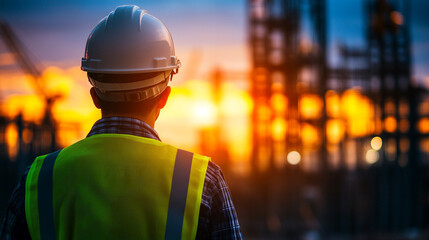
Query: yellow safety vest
[(115, 186)]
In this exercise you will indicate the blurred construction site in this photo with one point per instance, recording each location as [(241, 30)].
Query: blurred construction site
[(311, 148)]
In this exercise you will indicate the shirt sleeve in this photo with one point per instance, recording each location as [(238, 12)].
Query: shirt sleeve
[(218, 219), (14, 223)]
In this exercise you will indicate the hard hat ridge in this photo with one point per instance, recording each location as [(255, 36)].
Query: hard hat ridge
[(123, 14)]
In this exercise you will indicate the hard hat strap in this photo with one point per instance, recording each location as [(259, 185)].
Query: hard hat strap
[(105, 87), (176, 70), (133, 96)]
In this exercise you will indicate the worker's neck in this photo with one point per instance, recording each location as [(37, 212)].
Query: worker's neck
[(149, 119)]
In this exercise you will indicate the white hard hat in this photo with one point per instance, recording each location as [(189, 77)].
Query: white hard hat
[(130, 41)]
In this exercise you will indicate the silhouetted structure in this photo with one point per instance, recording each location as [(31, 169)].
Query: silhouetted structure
[(29, 139), (363, 170), (288, 40), (399, 181), (288, 49)]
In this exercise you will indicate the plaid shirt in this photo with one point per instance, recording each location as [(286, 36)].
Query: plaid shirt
[(217, 219)]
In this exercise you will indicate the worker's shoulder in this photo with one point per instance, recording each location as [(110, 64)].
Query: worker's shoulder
[(200, 157), (214, 174), (214, 167)]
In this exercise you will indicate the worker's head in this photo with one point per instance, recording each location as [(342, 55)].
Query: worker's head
[(130, 59), (128, 103)]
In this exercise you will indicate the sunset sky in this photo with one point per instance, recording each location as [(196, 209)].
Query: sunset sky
[(207, 35), (56, 31)]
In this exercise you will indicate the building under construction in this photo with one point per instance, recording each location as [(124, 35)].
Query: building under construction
[(337, 151)]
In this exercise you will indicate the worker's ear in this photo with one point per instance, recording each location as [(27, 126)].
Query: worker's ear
[(95, 98), (164, 97)]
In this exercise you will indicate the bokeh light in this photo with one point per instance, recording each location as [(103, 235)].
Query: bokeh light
[(376, 143), (390, 124), (279, 126), (12, 141), (310, 106), (423, 125), (293, 158), (335, 130), (371, 156)]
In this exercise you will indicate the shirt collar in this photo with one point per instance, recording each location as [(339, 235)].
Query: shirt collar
[(124, 125)]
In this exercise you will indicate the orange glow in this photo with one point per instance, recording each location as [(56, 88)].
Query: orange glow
[(423, 125), (310, 106), (191, 108), (27, 136), (264, 154), (177, 117), (390, 124), (279, 103), (263, 129), (31, 106), (332, 104), (263, 112), (235, 102), (389, 107), (397, 18), (57, 81), (424, 145), (69, 133), (424, 106), (12, 140), (390, 149), (378, 125), (310, 135), (278, 129), (358, 111), (72, 83), (280, 153), (260, 76), (404, 109), (277, 87), (404, 145), (235, 109), (294, 127), (17, 83), (335, 130), (205, 113), (404, 125)]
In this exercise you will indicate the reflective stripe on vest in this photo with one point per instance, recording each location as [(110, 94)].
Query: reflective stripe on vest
[(45, 197), (46, 206)]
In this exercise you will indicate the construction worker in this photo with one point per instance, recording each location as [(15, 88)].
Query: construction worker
[(121, 181)]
